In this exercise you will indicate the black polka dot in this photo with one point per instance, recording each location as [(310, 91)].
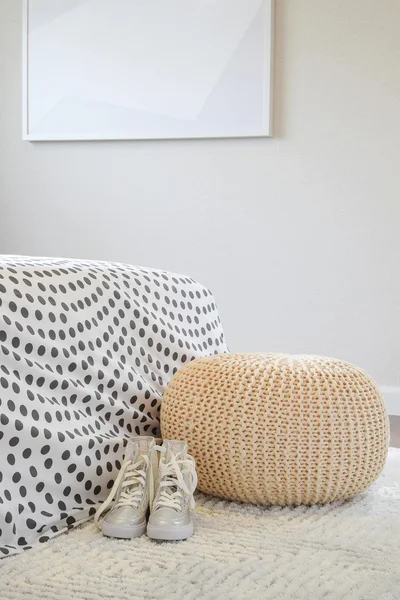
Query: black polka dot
[(31, 524), (44, 538), (22, 541)]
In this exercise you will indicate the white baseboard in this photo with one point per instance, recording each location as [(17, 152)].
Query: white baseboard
[(392, 398)]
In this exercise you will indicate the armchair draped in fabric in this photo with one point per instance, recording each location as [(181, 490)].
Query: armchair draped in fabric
[(86, 352)]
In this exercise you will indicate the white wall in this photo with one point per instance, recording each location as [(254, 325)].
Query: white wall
[(298, 236)]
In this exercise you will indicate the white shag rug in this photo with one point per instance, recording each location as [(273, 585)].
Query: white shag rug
[(345, 550)]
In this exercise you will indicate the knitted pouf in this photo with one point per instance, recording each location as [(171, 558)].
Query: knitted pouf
[(278, 429)]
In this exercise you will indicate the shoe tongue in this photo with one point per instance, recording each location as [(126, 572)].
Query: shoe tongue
[(137, 446), (144, 445), (132, 450), (174, 447)]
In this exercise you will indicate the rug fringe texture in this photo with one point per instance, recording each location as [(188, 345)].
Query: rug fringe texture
[(345, 550)]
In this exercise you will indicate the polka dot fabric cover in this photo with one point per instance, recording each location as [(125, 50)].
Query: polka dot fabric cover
[(278, 429), (86, 352)]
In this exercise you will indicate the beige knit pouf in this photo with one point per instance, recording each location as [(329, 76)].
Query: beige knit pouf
[(278, 429)]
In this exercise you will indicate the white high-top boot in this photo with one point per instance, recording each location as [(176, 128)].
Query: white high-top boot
[(132, 492), (171, 513)]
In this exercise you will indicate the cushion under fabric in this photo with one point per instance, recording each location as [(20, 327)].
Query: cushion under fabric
[(279, 429), (86, 352)]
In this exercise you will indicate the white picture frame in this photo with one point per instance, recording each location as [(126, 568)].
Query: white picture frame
[(147, 69)]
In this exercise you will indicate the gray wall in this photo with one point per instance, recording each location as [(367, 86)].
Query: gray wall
[(298, 236)]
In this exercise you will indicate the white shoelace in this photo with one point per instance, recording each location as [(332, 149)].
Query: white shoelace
[(133, 476), (172, 482)]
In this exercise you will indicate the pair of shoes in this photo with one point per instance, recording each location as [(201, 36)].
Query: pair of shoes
[(153, 492)]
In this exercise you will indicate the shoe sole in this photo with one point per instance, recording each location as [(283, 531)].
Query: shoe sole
[(170, 534), (125, 533)]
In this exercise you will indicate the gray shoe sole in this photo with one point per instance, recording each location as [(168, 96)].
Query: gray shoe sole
[(123, 532), (157, 532)]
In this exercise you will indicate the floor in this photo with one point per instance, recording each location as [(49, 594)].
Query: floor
[(341, 551), (394, 432)]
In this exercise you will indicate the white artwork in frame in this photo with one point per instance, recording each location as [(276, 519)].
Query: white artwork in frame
[(147, 69)]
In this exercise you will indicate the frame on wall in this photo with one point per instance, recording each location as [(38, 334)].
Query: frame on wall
[(147, 69)]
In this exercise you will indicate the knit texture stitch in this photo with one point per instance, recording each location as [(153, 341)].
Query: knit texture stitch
[(278, 429)]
